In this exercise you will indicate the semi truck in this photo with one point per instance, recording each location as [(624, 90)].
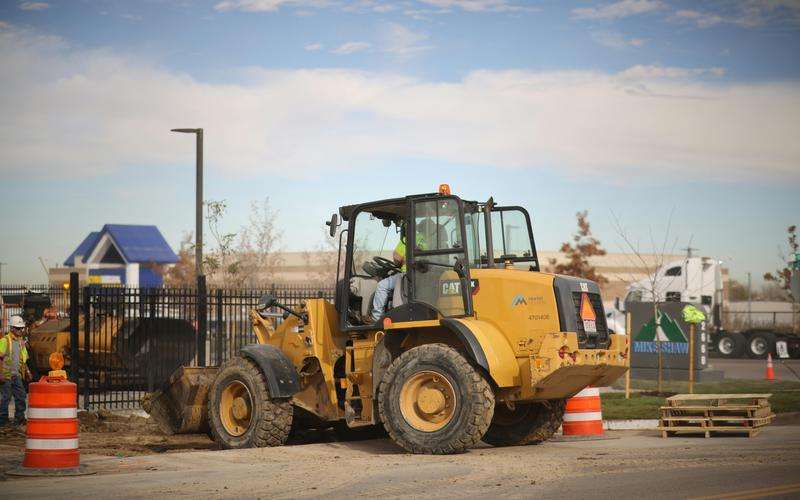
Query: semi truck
[(698, 280)]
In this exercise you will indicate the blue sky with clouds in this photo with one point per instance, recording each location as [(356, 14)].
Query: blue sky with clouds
[(635, 107)]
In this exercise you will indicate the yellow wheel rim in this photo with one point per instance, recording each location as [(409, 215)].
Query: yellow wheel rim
[(236, 408), (427, 401)]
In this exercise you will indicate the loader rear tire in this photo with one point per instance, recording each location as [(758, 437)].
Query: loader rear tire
[(241, 413), (526, 423), (432, 401)]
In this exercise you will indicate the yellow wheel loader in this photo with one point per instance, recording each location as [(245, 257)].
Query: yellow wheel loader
[(444, 331)]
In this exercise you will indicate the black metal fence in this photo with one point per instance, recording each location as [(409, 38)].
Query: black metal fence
[(14, 297), (132, 339)]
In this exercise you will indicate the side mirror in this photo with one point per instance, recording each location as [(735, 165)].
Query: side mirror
[(266, 301), (458, 267), (333, 224)]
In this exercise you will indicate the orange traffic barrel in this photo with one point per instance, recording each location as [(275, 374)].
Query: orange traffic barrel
[(51, 445), (584, 414)]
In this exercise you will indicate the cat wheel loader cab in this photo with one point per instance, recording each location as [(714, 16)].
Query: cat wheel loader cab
[(444, 332)]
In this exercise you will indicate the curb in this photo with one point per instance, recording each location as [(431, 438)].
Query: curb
[(626, 425)]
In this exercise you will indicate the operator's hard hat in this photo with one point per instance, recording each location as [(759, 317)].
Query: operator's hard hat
[(16, 321)]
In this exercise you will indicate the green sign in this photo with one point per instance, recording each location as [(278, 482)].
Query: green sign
[(668, 330)]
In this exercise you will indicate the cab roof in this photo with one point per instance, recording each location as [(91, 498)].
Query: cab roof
[(388, 208)]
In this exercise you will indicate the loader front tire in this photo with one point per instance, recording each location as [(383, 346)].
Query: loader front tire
[(432, 401), (241, 413), (525, 423)]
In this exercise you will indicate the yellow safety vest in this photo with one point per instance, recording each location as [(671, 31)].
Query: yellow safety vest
[(7, 344)]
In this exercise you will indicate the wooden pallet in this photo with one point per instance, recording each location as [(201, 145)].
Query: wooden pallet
[(709, 414)]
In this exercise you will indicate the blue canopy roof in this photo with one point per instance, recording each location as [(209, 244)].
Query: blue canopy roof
[(138, 244), (84, 249)]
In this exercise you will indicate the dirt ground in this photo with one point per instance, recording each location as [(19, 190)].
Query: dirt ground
[(626, 464), (111, 434)]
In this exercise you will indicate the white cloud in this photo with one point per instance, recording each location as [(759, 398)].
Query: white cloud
[(68, 112), (34, 5), (312, 47), (650, 72), (351, 48), (618, 10), (616, 40), (745, 14), (403, 42), (266, 5), (476, 5)]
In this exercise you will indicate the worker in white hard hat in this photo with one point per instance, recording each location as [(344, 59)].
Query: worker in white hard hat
[(13, 371)]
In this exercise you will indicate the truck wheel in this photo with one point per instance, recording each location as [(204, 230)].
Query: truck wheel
[(241, 413), (760, 344), (432, 401), (731, 344), (525, 423)]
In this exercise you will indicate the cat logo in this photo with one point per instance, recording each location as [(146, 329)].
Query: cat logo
[(518, 299)]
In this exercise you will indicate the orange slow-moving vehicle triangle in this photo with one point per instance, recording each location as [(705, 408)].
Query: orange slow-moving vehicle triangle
[(587, 312)]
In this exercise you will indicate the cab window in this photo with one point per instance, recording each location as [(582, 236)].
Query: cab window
[(437, 246), (373, 237)]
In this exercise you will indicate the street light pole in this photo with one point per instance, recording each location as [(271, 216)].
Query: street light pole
[(198, 224), (202, 296)]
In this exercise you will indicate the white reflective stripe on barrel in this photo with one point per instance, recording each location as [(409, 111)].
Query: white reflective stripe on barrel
[(51, 444), (588, 392), (52, 413), (583, 416)]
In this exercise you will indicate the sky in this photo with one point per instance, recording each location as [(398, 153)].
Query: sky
[(639, 111)]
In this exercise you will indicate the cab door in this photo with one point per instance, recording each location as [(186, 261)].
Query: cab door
[(438, 267)]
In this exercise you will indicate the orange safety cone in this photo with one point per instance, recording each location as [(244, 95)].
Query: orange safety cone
[(770, 369), (51, 445), (583, 415)]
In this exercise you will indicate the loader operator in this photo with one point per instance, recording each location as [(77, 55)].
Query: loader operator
[(387, 285), (13, 371)]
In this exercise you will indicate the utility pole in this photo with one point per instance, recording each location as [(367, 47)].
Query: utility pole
[(1, 270)]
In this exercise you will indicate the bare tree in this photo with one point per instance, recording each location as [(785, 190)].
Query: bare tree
[(222, 265), (323, 260), (637, 260), (182, 273), (259, 244)]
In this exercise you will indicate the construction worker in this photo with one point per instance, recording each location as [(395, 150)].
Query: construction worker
[(13, 371), (387, 285)]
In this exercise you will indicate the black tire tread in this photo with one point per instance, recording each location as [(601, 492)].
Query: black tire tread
[(273, 428), (541, 427), (481, 411)]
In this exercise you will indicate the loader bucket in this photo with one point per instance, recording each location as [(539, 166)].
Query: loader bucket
[(181, 405)]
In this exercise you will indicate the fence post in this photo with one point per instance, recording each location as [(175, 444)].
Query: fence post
[(220, 329), (86, 347), (74, 318), (202, 308)]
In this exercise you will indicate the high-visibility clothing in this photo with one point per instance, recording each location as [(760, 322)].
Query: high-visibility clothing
[(400, 249), (14, 355)]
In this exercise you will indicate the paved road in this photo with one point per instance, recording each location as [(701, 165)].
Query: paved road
[(629, 465), (754, 369)]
